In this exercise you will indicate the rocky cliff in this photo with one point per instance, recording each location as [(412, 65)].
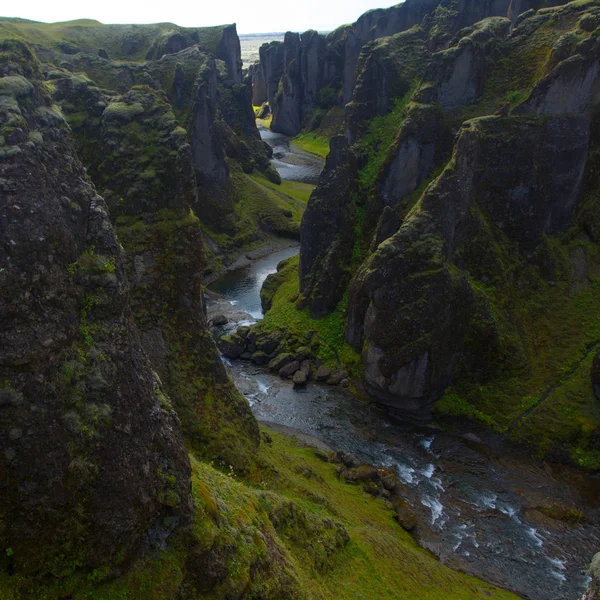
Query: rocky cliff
[(313, 71), (456, 220), (92, 462)]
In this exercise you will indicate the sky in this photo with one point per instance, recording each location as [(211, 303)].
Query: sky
[(251, 17)]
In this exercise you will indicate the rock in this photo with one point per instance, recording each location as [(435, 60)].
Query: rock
[(280, 361), (134, 478), (346, 459), (303, 353), (269, 342), (103, 53), (232, 346), (289, 369), (345, 383), (336, 377), (259, 358), (299, 379), (404, 514), (361, 473), (305, 368), (322, 455), (246, 355), (322, 373), (219, 320), (264, 112)]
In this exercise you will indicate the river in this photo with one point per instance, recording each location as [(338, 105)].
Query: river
[(482, 506)]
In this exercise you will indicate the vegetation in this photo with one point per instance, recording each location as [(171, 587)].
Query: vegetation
[(291, 530), (284, 314), (314, 143)]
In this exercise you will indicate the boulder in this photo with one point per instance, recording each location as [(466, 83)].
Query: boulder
[(337, 377), (322, 373), (288, 370), (299, 379), (280, 361), (219, 320), (232, 346), (404, 514), (259, 358)]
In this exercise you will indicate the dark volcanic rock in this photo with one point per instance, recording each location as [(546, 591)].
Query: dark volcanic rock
[(100, 462), (411, 328)]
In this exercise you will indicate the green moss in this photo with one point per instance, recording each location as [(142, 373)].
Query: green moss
[(378, 139)]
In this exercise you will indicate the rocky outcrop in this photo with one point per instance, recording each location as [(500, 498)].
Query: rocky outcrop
[(332, 64), (259, 87), (409, 309), (229, 51), (328, 231), (165, 253), (206, 136), (424, 214), (92, 462)]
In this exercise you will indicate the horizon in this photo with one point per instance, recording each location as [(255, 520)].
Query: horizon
[(312, 15)]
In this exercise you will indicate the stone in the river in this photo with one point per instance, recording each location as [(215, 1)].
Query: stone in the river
[(288, 370), (259, 358), (299, 379), (323, 373), (219, 320), (280, 361), (232, 346)]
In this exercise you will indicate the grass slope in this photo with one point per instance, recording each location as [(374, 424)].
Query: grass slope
[(292, 505)]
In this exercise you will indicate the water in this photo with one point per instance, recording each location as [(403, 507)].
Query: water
[(292, 163), (478, 506), (242, 286)]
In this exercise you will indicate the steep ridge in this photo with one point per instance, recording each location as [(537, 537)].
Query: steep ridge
[(313, 71), (93, 466), (454, 226)]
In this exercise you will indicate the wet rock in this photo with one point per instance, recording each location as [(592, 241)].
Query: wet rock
[(259, 358), (322, 373), (299, 379), (232, 346), (288, 370), (280, 361), (219, 320)]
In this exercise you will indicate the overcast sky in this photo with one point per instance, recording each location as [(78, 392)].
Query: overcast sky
[(250, 16)]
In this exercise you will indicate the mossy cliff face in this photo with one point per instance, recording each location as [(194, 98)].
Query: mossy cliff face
[(313, 71), (463, 215), (144, 167), (92, 462)]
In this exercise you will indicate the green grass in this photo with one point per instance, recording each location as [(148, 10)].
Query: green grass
[(378, 139), (122, 42), (273, 536), (294, 190), (313, 143)]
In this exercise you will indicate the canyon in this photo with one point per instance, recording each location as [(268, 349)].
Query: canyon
[(430, 282)]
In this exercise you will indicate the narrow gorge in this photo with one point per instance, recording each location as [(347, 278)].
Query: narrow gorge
[(302, 316)]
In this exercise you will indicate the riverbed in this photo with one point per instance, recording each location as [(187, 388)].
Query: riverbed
[(292, 163), (483, 506)]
